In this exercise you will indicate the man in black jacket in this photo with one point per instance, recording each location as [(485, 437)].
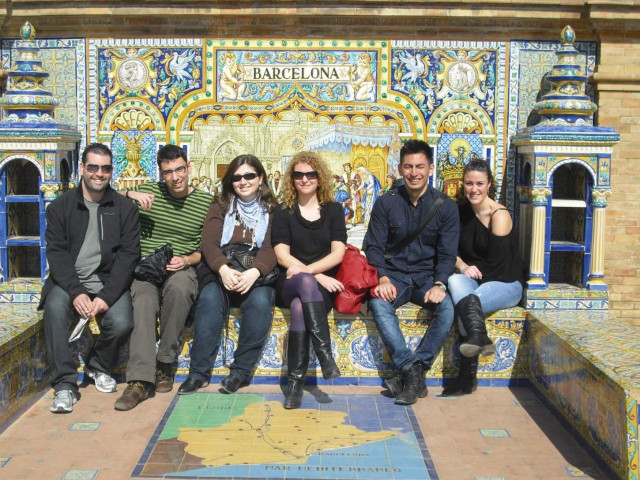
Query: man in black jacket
[(93, 245)]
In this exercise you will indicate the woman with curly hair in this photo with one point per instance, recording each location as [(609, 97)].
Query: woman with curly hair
[(309, 237)]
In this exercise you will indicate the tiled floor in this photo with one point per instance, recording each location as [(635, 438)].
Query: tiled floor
[(340, 432)]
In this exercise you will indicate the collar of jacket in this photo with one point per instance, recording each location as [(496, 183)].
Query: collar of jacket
[(108, 196), (402, 191)]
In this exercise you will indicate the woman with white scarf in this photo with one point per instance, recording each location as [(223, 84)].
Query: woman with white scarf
[(241, 215)]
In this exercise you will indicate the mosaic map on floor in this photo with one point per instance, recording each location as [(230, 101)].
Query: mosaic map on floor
[(209, 435)]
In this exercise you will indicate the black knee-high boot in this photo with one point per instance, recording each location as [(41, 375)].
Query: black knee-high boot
[(470, 311), (297, 364), (315, 320), (466, 381)]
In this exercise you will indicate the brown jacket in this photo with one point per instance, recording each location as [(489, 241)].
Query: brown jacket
[(212, 234)]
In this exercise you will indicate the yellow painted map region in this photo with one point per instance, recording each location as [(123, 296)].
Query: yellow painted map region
[(267, 433)]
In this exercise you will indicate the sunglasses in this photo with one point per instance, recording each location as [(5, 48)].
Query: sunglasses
[(179, 171), (91, 168), (312, 175), (246, 176)]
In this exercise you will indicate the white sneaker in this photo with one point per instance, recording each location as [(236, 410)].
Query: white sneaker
[(63, 402), (103, 381)]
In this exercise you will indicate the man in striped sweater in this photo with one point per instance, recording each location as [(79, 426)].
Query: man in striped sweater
[(171, 211)]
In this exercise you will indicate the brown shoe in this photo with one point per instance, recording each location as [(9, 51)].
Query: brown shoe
[(135, 393), (164, 377)]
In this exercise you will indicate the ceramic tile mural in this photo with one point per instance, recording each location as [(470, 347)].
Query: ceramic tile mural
[(353, 100)]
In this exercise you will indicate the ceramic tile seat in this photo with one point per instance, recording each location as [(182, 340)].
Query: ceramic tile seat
[(587, 365), (23, 366), (356, 344), (360, 354)]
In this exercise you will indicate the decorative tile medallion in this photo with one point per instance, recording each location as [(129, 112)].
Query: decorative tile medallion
[(494, 433), (80, 475), (84, 426)]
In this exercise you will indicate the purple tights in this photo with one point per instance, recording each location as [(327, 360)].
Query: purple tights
[(299, 289)]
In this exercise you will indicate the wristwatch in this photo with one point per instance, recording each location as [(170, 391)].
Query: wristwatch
[(441, 285)]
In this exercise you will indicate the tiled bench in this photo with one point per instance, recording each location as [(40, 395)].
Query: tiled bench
[(360, 352), (587, 366), (23, 365), (363, 359)]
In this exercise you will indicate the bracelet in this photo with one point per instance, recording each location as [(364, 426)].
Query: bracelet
[(126, 194), (441, 286)]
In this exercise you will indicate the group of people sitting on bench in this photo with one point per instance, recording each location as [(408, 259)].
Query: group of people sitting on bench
[(244, 249)]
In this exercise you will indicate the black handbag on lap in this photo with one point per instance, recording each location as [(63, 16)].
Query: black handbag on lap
[(153, 268), (241, 258)]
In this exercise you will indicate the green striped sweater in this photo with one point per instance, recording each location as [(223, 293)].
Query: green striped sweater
[(172, 220)]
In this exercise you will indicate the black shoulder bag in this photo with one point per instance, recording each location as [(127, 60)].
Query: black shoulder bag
[(241, 258), (397, 248)]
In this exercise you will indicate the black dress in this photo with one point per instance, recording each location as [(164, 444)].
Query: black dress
[(497, 257), (308, 241)]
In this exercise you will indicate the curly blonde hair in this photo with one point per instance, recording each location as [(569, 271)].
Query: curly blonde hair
[(289, 192)]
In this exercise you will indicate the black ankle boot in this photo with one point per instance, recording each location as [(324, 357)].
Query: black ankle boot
[(297, 364), (315, 320), (470, 311), (466, 382), (413, 386)]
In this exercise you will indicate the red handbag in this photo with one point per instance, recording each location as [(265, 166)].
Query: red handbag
[(358, 277)]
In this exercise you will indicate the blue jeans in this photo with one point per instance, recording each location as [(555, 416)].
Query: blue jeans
[(211, 312), (386, 320), (115, 326), (493, 295)]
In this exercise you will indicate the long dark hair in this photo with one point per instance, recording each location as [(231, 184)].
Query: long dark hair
[(267, 199), (482, 166)]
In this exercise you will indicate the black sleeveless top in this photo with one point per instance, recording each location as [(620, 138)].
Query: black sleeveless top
[(497, 257)]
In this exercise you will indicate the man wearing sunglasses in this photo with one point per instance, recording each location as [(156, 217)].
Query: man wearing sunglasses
[(171, 211), (93, 246)]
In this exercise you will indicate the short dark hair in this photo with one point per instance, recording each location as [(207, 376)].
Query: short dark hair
[(171, 152), (98, 149), (416, 146)]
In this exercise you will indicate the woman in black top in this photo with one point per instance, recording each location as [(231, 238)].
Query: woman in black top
[(309, 237), (490, 267)]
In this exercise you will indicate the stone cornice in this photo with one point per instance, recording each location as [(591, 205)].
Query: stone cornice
[(322, 18), (284, 18)]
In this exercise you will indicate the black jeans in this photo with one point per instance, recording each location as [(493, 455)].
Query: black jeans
[(115, 327)]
